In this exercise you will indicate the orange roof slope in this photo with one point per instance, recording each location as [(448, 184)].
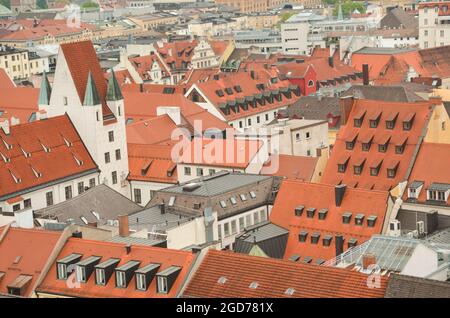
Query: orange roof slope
[(229, 275), (5, 80), (40, 152), (294, 194), (18, 102), (231, 153), (381, 112), (106, 250), (24, 252), (81, 59), (151, 163), (431, 166), (151, 131), (293, 167)]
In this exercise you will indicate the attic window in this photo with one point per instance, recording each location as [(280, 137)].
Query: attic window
[(299, 210), (326, 241), (307, 259), (357, 121), (315, 238), (323, 214), (358, 167), (342, 166), (85, 221), (399, 149), (171, 201), (302, 236), (373, 122), (310, 212), (253, 285), (253, 194), (5, 159), (346, 217), (62, 265), (359, 219), (408, 121), (223, 204), (391, 172), (85, 268), (238, 89), (390, 122), (46, 149), (371, 220), (229, 91), (352, 242), (243, 197), (233, 200), (349, 145), (383, 146), (222, 280), (168, 90), (145, 275), (16, 178), (8, 146), (78, 161), (219, 93), (365, 146), (25, 153), (96, 215), (67, 142), (260, 86)]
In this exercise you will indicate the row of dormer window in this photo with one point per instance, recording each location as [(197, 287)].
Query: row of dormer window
[(382, 147), (326, 240), (389, 123), (123, 274), (374, 171), (346, 217)]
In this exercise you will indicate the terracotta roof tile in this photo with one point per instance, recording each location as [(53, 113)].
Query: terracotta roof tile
[(229, 275), (293, 167)]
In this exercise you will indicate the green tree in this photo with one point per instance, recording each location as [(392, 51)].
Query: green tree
[(89, 5), (348, 7), (6, 3)]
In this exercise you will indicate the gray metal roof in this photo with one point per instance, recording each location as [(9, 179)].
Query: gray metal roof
[(101, 199), (439, 186), (261, 232), (383, 50), (401, 286), (137, 241), (219, 183), (153, 220), (385, 93), (415, 184), (441, 237)]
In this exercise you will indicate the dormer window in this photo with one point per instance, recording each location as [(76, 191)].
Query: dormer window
[(383, 145), (359, 219), (145, 275), (392, 170), (346, 218), (63, 265), (352, 242), (438, 192), (408, 121), (358, 167), (323, 214), (371, 220), (373, 122), (104, 271), (400, 148), (390, 121), (414, 189), (342, 165), (302, 236), (310, 212), (85, 268), (326, 241), (299, 210), (375, 168), (357, 121), (125, 272), (350, 144), (315, 238), (365, 146), (167, 278)]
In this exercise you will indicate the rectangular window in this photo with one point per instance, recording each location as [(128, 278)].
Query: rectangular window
[(256, 217), (241, 224), (187, 171), (114, 177), (162, 285), (80, 187), (111, 136), (49, 198), (248, 220), (262, 215), (16, 207), (233, 227), (62, 271), (91, 182), (118, 155), (137, 196), (120, 279), (140, 282), (27, 203), (107, 158), (211, 171), (199, 172), (100, 276), (68, 191), (226, 229)]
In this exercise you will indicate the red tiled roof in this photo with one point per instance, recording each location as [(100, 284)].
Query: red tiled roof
[(123, 77), (81, 59), (144, 64), (216, 152), (274, 277), (18, 102), (292, 167), (322, 196), (381, 134), (431, 166), (106, 250), (218, 46), (151, 131), (54, 165), (151, 163), (24, 252), (5, 80), (248, 86), (177, 52)]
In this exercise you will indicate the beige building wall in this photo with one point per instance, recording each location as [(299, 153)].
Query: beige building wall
[(15, 64), (439, 126)]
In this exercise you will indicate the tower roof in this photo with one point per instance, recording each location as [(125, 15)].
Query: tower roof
[(45, 91), (91, 97), (113, 92)]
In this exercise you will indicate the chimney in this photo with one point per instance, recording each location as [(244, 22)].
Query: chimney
[(365, 69), (4, 125), (141, 88), (124, 230), (339, 239), (318, 152), (252, 74), (331, 61), (345, 107), (128, 249), (162, 208), (77, 234), (368, 259), (339, 191)]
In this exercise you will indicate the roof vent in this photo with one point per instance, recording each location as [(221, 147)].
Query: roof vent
[(253, 285), (289, 291), (191, 186), (222, 280)]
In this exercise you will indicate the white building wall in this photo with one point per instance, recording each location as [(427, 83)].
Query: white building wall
[(423, 261), (147, 189), (294, 38)]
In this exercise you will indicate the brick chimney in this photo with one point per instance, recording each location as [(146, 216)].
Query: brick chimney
[(365, 69), (345, 107), (124, 230), (368, 259)]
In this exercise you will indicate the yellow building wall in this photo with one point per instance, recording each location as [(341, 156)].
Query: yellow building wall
[(439, 126)]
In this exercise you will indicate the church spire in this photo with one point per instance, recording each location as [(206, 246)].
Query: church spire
[(45, 91), (113, 92), (91, 97), (340, 16)]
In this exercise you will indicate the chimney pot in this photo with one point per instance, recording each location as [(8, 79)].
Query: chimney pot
[(124, 230), (365, 68), (368, 259), (128, 249)]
